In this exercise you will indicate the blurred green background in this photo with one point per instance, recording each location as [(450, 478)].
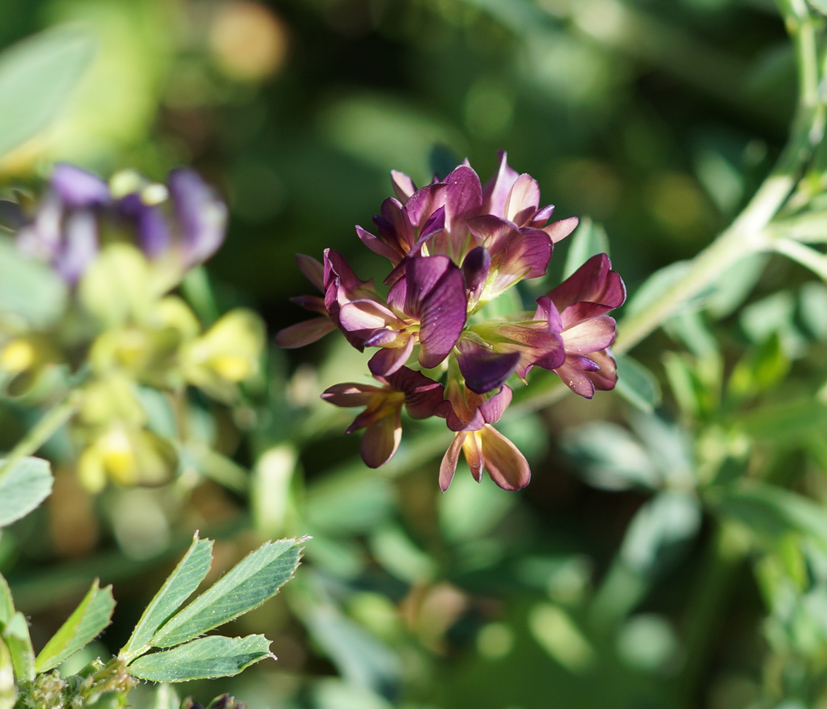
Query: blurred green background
[(654, 118)]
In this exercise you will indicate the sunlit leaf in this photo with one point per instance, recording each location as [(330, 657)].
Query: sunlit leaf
[(87, 622), (19, 641), (8, 692), (213, 656), (6, 603), (179, 586), (36, 77), (23, 487), (251, 582)]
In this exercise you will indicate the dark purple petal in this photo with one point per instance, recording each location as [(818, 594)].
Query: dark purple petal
[(493, 408), (313, 303), (394, 226), (574, 373), (424, 203), (523, 200), (433, 225), (475, 269), (542, 216), (202, 217), (449, 461), (377, 245), (381, 439), (304, 333), (604, 378), (504, 463), (78, 188), (547, 312), (482, 368), (593, 282), (422, 394), (389, 359), (497, 188), (436, 295), (350, 394), (312, 269), (463, 196)]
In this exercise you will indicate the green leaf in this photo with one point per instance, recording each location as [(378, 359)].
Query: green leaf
[(637, 384), (790, 422), (760, 369), (205, 658), (251, 582), (30, 291), (589, 239), (16, 635), (6, 603), (655, 286), (36, 77), (770, 512), (166, 698), (179, 586), (87, 622), (23, 487)]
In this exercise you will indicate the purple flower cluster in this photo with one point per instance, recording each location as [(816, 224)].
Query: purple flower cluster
[(183, 221), (455, 245)]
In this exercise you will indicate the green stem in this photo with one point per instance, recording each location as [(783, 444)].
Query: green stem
[(42, 431)]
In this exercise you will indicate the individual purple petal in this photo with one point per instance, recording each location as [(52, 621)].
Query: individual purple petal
[(422, 394), (395, 227), (494, 407), (377, 245), (402, 185), (523, 200), (547, 312), (314, 303), (154, 235), (593, 282), (590, 335), (604, 378), (312, 269), (504, 463), (449, 461), (561, 229), (365, 315), (436, 295), (463, 196), (482, 368), (388, 360), (472, 448), (542, 216), (78, 188), (381, 439), (497, 188), (350, 394), (304, 333), (475, 269), (527, 256), (574, 371), (423, 203), (433, 225), (80, 246), (202, 217)]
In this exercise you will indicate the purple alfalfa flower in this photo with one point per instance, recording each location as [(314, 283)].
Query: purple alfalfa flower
[(187, 220), (382, 417), (64, 228), (577, 309), (339, 285), (471, 416), (427, 306)]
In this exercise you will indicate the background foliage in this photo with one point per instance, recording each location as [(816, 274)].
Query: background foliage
[(670, 549)]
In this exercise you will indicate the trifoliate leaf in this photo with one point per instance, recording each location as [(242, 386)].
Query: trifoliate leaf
[(205, 658), (180, 585), (87, 622), (251, 582)]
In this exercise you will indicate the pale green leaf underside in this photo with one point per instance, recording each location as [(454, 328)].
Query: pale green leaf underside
[(84, 625), (22, 488), (637, 384), (180, 585), (251, 582), (205, 658), (36, 77), (6, 603)]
